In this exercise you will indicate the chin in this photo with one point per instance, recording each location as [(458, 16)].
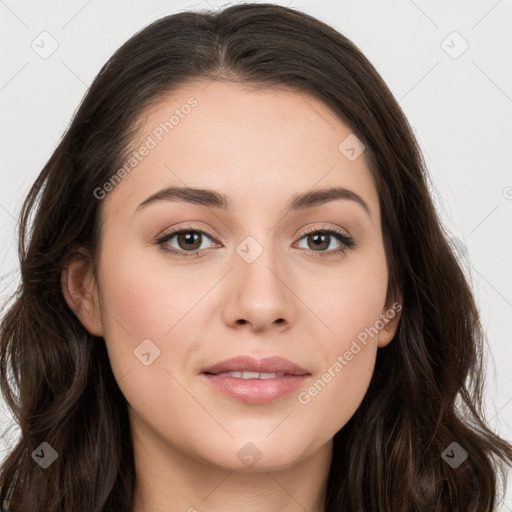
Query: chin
[(256, 454)]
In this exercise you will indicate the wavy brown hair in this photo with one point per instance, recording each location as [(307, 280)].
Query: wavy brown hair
[(426, 391)]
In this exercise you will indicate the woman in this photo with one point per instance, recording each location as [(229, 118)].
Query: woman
[(236, 293)]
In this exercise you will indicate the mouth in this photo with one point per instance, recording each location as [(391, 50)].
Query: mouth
[(256, 381)]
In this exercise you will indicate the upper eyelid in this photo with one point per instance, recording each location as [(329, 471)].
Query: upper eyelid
[(314, 229), (187, 228)]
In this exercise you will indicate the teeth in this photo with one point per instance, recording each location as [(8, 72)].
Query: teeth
[(251, 375)]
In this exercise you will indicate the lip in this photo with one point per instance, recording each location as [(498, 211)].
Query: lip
[(256, 391), (251, 364)]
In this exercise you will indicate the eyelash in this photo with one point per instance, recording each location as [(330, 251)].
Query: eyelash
[(346, 241)]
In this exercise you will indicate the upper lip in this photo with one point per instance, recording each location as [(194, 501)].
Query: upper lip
[(251, 364)]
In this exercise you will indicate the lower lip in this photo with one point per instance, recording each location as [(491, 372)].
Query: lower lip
[(257, 391)]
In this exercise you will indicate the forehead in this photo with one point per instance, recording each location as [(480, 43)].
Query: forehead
[(258, 146)]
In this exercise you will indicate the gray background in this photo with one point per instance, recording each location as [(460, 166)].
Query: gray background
[(458, 102)]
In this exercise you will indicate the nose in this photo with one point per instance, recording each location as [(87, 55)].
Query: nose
[(258, 296)]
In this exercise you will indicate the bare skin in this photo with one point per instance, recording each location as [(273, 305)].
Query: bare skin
[(258, 148)]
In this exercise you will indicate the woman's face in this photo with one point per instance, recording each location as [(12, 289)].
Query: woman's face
[(264, 281)]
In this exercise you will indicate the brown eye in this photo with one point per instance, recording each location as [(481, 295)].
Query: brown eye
[(318, 241), (189, 240), (184, 242)]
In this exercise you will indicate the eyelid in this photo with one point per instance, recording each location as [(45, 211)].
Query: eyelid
[(187, 227), (324, 227)]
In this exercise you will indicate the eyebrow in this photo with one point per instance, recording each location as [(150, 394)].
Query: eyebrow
[(211, 198)]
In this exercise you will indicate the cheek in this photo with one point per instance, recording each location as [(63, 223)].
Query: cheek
[(349, 305), (333, 397), (349, 301), (143, 301), (145, 297), (143, 294), (136, 305), (346, 360)]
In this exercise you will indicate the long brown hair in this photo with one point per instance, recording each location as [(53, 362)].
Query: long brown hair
[(426, 391)]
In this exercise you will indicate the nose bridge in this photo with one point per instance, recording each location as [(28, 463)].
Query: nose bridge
[(256, 260)]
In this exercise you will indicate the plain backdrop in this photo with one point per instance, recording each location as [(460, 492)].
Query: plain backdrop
[(447, 63)]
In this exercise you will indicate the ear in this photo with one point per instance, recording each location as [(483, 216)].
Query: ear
[(80, 291), (390, 317)]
